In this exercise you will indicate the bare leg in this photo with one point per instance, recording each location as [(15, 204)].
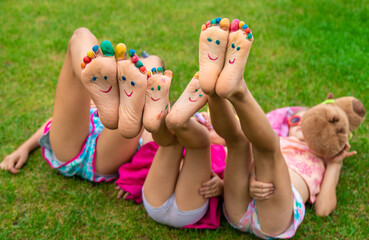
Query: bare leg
[(239, 157), (70, 120), (274, 214)]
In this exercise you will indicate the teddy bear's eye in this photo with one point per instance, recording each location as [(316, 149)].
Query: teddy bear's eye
[(334, 119)]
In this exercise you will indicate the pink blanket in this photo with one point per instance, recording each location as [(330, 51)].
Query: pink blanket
[(132, 175)]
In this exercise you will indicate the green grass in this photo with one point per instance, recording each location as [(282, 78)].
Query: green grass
[(302, 50)]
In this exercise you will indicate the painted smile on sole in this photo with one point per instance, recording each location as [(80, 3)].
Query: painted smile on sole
[(128, 95), (231, 62), (155, 99), (213, 59), (107, 90), (189, 98)]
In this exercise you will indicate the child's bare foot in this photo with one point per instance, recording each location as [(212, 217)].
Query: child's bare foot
[(99, 76), (212, 47), (132, 80), (157, 99), (239, 43), (191, 100)]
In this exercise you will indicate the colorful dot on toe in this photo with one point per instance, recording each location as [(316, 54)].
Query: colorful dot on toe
[(224, 23), (233, 46), (131, 52), (196, 75), (159, 88), (106, 48), (90, 54), (217, 42), (139, 64), (134, 58), (209, 40), (160, 69), (86, 59), (153, 70), (142, 68), (234, 25), (83, 65), (240, 24), (133, 83), (95, 48), (124, 78), (213, 21), (249, 36), (203, 27), (218, 19), (245, 26), (247, 30), (207, 23)]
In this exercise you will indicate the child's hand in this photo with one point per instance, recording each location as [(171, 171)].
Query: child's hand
[(342, 155), (213, 187), (122, 193), (204, 119), (259, 190), (14, 161)]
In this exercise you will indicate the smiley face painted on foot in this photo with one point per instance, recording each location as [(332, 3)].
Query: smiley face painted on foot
[(234, 48), (94, 79), (217, 42), (128, 84), (197, 94)]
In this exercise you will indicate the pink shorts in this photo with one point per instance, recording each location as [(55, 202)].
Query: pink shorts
[(250, 223)]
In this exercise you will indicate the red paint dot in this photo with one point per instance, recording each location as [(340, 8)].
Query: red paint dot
[(247, 30), (143, 69), (87, 59), (134, 58)]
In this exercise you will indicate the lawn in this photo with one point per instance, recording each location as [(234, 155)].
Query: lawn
[(302, 50)]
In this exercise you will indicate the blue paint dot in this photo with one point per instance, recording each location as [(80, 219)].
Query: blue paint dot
[(209, 40), (159, 88), (105, 77), (218, 19), (94, 78), (131, 52), (153, 70), (133, 83), (124, 78), (95, 48), (245, 26), (233, 46), (238, 48), (217, 42)]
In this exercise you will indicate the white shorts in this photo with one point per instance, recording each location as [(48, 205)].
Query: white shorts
[(170, 215)]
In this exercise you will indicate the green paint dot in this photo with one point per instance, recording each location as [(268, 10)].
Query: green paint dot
[(196, 90), (217, 42), (233, 46), (160, 69), (213, 21), (209, 40), (238, 48), (200, 95), (166, 107), (152, 89), (159, 88), (106, 48)]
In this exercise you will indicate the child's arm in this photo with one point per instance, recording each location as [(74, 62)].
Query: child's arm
[(213, 187), (327, 200), (14, 161)]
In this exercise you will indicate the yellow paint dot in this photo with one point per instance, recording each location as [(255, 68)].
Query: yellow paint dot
[(90, 54), (240, 24), (224, 23), (120, 51), (196, 75), (203, 27)]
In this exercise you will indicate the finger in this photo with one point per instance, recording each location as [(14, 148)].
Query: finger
[(349, 154), (120, 193), (117, 188), (126, 195), (13, 170), (20, 162)]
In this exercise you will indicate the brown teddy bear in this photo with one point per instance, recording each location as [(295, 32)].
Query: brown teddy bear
[(327, 126)]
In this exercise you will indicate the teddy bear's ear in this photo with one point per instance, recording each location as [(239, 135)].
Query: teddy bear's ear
[(330, 96), (354, 110)]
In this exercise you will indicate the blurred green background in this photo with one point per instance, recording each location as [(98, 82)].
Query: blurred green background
[(302, 50)]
